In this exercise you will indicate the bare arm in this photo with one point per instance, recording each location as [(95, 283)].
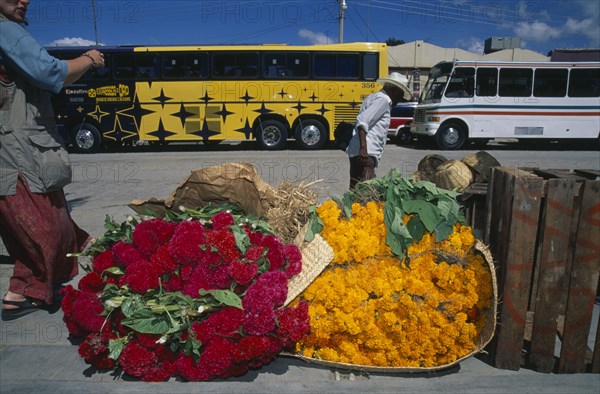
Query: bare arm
[(79, 66)]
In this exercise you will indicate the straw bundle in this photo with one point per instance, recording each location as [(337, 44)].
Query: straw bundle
[(288, 211)]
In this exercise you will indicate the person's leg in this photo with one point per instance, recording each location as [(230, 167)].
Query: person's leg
[(355, 171), (38, 232), (369, 169)]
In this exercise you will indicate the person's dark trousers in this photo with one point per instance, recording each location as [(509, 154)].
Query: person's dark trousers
[(360, 172)]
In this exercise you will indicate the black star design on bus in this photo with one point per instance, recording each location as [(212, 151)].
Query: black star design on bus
[(299, 107), (263, 110), (247, 130), (322, 110), (313, 97), (354, 104), (206, 132), (183, 114), (224, 113), (118, 133), (246, 98), (206, 98), (161, 133), (282, 93), (162, 98), (341, 95), (136, 111)]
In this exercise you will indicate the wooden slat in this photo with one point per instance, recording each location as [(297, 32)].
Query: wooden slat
[(583, 282), (590, 174), (514, 209), (554, 258), (558, 174)]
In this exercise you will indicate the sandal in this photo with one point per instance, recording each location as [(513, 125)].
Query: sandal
[(24, 307)]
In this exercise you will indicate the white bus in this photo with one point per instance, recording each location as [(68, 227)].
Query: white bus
[(482, 100)]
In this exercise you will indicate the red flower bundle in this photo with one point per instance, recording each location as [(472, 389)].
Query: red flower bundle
[(193, 299)]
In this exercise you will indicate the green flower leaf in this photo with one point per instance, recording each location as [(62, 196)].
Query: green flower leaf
[(147, 322), (115, 347), (226, 297), (242, 241)]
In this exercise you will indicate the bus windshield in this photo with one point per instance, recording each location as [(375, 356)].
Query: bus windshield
[(438, 77)]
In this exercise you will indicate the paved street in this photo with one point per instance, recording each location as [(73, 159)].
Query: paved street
[(36, 354)]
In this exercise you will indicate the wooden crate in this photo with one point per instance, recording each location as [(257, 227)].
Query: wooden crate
[(543, 228)]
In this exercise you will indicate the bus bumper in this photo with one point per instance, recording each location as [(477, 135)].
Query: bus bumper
[(424, 129)]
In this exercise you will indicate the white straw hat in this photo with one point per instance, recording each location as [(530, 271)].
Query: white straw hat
[(399, 81)]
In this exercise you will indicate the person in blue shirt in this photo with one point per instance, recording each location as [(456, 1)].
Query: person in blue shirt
[(370, 131), (35, 224)]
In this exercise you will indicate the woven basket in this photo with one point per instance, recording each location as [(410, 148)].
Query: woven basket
[(481, 163), (452, 175), (484, 338), (430, 163), (316, 255)]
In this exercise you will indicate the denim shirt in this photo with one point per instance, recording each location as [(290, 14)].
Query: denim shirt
[(374, 118), (30, 144)]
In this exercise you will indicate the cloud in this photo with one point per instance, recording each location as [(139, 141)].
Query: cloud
[(471, 44), (585, 27), (73, 42), (536, 31), (314, 37)]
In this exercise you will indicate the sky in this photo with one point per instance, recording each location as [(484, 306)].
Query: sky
[(542, 25)]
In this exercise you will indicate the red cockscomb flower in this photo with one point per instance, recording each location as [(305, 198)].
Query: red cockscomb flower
[(103, 261), (275, 253), (185, 243), (148, 235), (140, 277), (242, 273), (126, 254), (91, 282), (224, 242), (222, 220), (94, 349), (293, 323)]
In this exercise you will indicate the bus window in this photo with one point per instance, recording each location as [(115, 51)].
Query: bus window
[(487, 81), (332, 66), (370, 66), (146, 65), (461, 82), (515, 82), (584, 83), (173, 65), (184, 65), (285, 65), (550, 83), (235, 64), (123, 65)]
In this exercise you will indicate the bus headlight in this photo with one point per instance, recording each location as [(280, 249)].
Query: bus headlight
[(435, 119)]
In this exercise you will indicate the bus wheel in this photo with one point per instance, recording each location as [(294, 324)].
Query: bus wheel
[(271, 134), (450, 136), (404, 136), (311, 134), (86, 139)]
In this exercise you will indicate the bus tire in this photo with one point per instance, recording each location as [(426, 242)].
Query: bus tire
[(86, 139), (311, 134), (271, 134), (451, 136)]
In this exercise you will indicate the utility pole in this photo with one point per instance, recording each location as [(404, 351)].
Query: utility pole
[(95, 25), (343, 8)]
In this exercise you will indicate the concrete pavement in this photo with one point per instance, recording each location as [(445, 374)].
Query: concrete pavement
[(38, 356)]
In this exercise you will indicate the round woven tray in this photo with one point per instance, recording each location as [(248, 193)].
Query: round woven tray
[(481, 162), (452, 175), (484, 338)]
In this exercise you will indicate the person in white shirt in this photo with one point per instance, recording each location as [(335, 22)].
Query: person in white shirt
[(371, 128)]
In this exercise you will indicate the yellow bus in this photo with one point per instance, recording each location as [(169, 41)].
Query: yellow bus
[(269, 93)]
